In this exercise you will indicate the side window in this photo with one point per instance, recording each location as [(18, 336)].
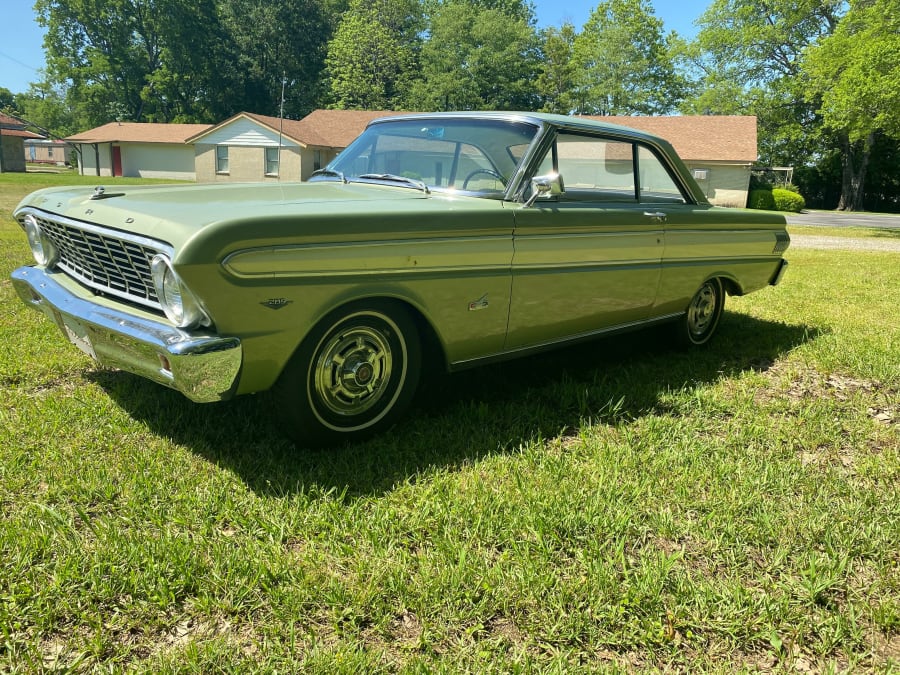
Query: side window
[(657, 186), (221, 159), (271, 161), (592, 168)]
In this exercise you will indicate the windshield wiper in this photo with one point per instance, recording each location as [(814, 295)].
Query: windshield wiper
[(329, 172), (397, 179)]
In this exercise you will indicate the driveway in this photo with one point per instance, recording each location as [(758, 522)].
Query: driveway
[(890, 221)]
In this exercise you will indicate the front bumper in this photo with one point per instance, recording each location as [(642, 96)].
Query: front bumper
[(204, 368)]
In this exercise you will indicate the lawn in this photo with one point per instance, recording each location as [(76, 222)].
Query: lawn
[(617, 506)]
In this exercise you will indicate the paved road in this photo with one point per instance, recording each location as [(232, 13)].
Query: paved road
[(839, 219)]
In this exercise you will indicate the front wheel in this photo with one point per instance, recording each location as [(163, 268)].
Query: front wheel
[(701, 319), (352, 376)]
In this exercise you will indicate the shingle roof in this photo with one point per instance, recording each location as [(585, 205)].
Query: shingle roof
[(10, 126), (724, 138), (139, 132), (323, 128)]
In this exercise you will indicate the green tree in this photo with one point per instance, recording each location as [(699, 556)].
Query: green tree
[(624, 62), (272, 41), (750, 56), (373, 52), (854, 76), (477, 57), (556, 79)]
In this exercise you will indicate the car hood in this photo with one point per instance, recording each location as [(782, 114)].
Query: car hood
[(177, 213)]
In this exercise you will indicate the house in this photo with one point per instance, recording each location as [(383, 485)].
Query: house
[(146, 150), (251, 147), (718, 149), (12, 144), (47, 151)]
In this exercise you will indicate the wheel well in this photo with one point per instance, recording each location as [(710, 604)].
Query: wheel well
[(434, 357), (731, 286)]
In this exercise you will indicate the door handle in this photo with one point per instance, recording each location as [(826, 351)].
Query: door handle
[(656, 216)]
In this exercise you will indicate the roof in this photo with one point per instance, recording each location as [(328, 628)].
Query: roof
[(323, 128), (723, 138), (10, 126), (139, 132)]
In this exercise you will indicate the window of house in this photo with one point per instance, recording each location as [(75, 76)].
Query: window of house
[(49, 151), (272, 161), (317, 160), (221, 159)]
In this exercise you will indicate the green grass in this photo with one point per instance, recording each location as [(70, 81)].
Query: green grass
[(617, 506)]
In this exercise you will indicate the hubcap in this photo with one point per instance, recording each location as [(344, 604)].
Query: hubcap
[(353, 370), (702, 310)]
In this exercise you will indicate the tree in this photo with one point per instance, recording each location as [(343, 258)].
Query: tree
[(854, 76), (556, 79), (624, 62), (372, 53), (750, 55), (477, 57), (274, 41)]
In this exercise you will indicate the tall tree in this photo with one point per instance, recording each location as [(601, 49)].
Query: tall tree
[(854, 74), (751, 56), (276, 41), (556, 80), (373, 52), (625, 64), (133, 59), (477, 57)]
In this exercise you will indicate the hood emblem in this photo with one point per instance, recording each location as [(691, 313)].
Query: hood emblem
[(101, 193), (276, 303)]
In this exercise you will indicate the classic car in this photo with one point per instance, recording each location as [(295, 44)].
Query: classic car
[(459, 238)]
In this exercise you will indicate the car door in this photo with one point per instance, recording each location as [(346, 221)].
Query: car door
[(588, 259)]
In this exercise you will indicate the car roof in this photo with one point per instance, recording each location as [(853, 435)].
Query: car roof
[(537, 118)]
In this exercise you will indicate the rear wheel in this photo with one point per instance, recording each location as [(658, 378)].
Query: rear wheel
[(352, 376), (699, 322)]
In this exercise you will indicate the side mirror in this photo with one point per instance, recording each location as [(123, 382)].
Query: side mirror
[(548, 185)]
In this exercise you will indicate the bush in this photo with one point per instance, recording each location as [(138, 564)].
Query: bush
[(761, 199), (787, 200)]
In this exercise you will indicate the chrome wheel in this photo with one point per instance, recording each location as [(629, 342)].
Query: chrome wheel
[(353, 375), (701, 318), (353, 370), (702, 310)]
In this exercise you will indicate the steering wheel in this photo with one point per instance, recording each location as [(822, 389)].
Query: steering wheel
[(490, 172)]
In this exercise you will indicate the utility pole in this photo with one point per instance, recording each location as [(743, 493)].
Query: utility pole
[(281, 122)]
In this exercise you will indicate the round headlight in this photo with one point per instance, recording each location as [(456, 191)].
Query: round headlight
[(43, 250), (179, 304)]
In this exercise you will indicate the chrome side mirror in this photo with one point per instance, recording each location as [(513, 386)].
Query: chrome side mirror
[(548, 185)]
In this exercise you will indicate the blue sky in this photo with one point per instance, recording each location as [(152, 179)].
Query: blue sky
[(22, 54)]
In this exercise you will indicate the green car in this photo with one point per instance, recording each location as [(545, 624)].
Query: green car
[(461, 238)]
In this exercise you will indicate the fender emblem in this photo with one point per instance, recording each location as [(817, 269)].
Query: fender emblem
[(480, 303), (276, 303)]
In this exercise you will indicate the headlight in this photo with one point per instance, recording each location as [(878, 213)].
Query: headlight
[(177, 301), (43, 250)]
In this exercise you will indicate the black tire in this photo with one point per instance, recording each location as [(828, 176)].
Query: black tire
[(701, 318), (352, 376)]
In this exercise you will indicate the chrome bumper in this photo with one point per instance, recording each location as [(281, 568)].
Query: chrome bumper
[(204, 368)]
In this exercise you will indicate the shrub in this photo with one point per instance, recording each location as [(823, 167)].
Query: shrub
[(787, 200), (761, 199)]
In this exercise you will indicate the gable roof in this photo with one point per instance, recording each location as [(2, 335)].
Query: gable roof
[(323, 128), (139, 132), (723, 138)]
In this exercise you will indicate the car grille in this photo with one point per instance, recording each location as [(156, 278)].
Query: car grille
[(109, 261)]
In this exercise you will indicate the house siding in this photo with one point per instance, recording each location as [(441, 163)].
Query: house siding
[(245, 163)]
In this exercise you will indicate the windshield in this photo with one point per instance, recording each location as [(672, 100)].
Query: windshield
[(472, 155)]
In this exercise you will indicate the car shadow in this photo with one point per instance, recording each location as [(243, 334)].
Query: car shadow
[(461, 417)]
